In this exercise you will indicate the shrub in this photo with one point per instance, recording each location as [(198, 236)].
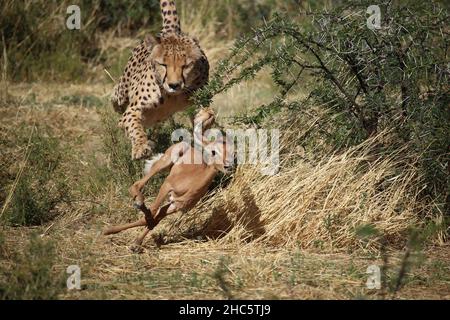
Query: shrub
[(32, 276), (366, 81), (37, 185), (117, 147), (37, 45)]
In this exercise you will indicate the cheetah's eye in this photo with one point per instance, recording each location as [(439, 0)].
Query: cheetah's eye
[(161, 64)]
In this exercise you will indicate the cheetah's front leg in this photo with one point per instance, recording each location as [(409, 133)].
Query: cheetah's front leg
[(132, 122), (144, 94)]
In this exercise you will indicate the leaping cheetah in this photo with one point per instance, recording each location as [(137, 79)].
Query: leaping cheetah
[(158, 80)]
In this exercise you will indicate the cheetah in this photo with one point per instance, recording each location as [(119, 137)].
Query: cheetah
[(159, 78)]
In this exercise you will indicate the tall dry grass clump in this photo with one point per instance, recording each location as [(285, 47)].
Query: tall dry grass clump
[(315, 204), (324, 204)]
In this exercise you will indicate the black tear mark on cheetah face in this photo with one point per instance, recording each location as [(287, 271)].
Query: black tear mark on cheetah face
[(178, 62)]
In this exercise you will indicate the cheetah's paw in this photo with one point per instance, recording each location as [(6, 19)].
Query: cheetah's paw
[(141, 151)]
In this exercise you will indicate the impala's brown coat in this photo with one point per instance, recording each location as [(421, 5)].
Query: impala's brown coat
[(187, 181)]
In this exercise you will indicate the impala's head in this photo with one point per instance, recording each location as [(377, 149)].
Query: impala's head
[(177, 61), (219, 156), (205, 117)]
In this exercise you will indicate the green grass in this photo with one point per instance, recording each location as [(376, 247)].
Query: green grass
[(77, 172), (31, 276), (36, 184), (86, 101)]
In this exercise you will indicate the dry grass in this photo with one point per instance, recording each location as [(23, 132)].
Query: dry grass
[(314, 204), (189, 270), (292, 235), (284, 236)]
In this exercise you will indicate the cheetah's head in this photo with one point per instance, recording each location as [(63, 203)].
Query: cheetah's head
[(177, 60)]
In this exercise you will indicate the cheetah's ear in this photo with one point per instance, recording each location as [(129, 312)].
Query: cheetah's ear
[(153, 40), (158, 38)]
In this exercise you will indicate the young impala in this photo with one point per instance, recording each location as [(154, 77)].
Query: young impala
[(188, 180)]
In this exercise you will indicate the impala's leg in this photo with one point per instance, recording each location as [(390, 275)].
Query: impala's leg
[(136, 189), (116, 229), (162, 212), (165, 211), (166, 161), (139, 240), (151, 213)]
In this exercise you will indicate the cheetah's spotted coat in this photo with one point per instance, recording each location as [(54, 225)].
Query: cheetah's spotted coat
[(158, 80)]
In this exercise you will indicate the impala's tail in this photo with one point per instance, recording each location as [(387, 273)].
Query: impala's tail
[(171, 22), (149, 163)]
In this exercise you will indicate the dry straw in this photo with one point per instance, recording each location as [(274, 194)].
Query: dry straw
[(312, 205)]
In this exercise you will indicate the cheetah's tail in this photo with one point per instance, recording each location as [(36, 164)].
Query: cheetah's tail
[(171, 21)]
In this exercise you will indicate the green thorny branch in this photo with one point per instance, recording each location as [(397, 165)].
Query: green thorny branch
[(261, 52), (343, 52), (394, 78), (251, 54)]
